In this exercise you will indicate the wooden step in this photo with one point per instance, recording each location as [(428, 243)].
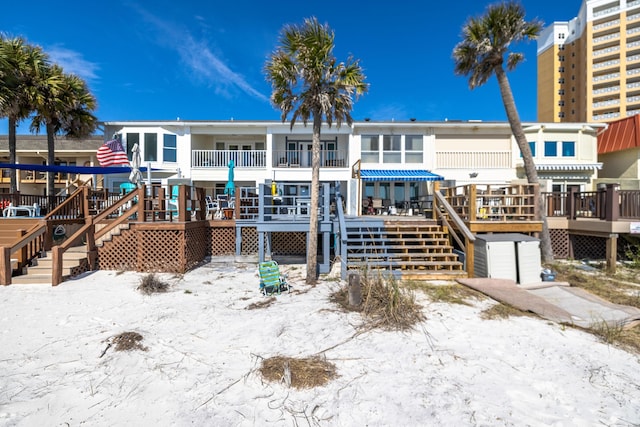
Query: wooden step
[(26, 279)]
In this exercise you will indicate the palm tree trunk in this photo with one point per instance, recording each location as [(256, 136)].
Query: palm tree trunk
[(527, 157), (312, 246), (51, 160), (13, 186)]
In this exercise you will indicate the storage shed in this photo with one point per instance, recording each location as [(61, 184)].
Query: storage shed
[(511, 256)]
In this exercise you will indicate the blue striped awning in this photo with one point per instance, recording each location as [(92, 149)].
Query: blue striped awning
[(398, 175)]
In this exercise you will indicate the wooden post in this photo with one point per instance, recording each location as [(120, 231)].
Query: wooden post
[(469, 256), (571, 208), (473, 195), (612, 202), (355, 290), (182, 203), (56, 275), (85, 201), (5, 266), (92, 252), (434, 201), (612, 252)]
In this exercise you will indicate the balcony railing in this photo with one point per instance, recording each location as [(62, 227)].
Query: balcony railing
[(256, 159), (302, 159)]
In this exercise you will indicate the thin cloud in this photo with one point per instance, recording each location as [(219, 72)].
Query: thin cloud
[(199, 58), (72, 62)]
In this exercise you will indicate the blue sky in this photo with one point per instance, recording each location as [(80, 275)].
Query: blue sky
[(196, 60)]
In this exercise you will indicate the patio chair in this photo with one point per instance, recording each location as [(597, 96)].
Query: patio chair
[(212, 207), (271, 281)]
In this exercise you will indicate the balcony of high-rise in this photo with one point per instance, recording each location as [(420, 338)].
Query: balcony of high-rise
[(606, 39), (603, 26), (610, 51), (606, 10)]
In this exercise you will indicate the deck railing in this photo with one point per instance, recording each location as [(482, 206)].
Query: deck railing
[(607, 204), (493, 202), (256, 159)]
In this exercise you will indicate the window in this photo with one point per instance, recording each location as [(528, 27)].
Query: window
[(370, 146), (132, 139), (561, 80), (561, 92), (561, 35), (568, 149), (561, 47), (391, 149), (550, 148), (150, 147), (169, 148), (561, 69), (413, 149), (561, 103), (561, 114), (532, 147), (561, 58)]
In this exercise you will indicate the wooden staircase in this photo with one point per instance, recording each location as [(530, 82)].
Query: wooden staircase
[(41, 272), (411, 250)]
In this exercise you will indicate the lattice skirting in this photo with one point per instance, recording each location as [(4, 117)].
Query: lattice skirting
[(576, 246), (172, 250), (292, 243)]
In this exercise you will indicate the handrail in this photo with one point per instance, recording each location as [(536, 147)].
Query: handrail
[(73, 198), (343, 236), (34, 233), (439, 200)]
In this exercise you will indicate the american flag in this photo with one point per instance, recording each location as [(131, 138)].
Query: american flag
[(111, 153)]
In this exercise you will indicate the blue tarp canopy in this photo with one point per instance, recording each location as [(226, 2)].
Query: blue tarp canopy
[(98, 170), (398, 175)]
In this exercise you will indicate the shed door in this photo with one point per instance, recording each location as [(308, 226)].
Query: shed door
[(501, 260)]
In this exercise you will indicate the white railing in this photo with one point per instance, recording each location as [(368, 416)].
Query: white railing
[(608, 50), (607, 37), (607, 77), (633, 30), (607, 63), (633, 58), (607, 89), (606, 11), (606, 24), (606, 103), (632, 3), (633, 72), (632, 112), (220, 158), (606, 116), (633, 44), (633, 17), (633, 85), (473, 159)]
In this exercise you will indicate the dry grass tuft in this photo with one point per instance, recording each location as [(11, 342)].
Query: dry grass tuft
[(262, 304), (387, 306), (150, 284), (127, 341), (298, 373), (451, 293), (502, 311)]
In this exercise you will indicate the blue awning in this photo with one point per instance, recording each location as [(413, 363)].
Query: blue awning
[(398, 175)]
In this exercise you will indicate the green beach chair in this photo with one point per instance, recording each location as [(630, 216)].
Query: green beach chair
[(271, 281)]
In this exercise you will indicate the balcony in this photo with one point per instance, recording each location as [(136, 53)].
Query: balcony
[(606, 38), (609, 76), (606, 64), (302, 159), (607, 89), (248, 159)]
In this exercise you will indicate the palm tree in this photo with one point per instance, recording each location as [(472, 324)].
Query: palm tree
[(63, 105), (309, 82), (20, 66), (481, 53)]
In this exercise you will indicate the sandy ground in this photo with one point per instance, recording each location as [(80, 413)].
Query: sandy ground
[(204, 347)]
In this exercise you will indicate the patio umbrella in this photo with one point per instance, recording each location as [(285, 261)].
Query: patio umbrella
[(230, 188), (135, 177)]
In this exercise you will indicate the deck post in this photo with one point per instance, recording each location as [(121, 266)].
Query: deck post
[(473, 195), (56, 275), (469, 256), (571, 206), (612, 252), (612, 202), (5, 266), (182, 203)]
